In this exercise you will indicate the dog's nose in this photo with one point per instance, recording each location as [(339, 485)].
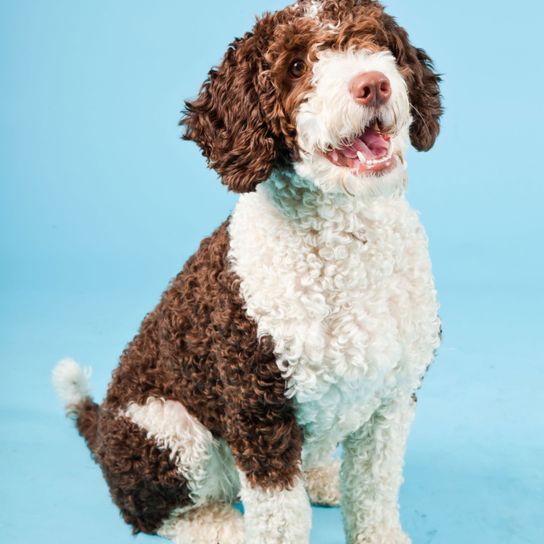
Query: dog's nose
[(370, 89)]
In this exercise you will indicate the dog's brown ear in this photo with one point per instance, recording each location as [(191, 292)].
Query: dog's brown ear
[(226, 120), (423, 86)]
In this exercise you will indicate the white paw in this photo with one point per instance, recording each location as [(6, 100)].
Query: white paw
[(382, 535), (209, 524), (323, 484), (231, 528)]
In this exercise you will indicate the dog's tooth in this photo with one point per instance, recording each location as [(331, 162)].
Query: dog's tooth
[(361, 157)]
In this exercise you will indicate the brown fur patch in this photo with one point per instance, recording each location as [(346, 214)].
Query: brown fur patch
[(144, 482), (227, 122), (198, 347)]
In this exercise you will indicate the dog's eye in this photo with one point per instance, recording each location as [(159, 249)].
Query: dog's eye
[(297, 68)]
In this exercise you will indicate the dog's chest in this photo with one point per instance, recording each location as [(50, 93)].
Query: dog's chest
[(346, 292)]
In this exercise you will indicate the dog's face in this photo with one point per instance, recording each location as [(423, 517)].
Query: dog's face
[(332, 89)]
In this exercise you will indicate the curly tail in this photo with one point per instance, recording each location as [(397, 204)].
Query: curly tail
[(72, 384)]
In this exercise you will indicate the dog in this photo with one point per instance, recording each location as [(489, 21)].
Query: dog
[(307, 320)]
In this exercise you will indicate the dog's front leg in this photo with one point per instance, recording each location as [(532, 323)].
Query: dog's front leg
[(276, 506), (266, 442), (275, 515), (371, 476)]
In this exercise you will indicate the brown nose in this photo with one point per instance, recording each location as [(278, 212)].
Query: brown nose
[(370, 89)]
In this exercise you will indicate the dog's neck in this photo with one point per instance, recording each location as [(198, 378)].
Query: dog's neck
[(299, 200)]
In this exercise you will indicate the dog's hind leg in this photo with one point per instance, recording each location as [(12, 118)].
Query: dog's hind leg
[(322, 483), (321, 471), (213, 523), (167, 473)]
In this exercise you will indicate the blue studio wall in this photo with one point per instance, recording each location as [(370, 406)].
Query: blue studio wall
[(101, 203)]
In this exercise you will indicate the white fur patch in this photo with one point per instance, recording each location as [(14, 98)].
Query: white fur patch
[(323, 483), (345, 289), (276, 516), (215, 523), (205, 463), (329, 117), (72, 383)]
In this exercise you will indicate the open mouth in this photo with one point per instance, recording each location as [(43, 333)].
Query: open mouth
[(368, 153)]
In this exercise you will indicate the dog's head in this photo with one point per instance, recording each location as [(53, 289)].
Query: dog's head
[(332, 89)]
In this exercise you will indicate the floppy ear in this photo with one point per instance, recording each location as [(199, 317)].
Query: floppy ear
[(227, 122), (423, 86)]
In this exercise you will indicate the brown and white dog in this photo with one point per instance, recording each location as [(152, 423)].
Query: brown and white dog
[(307, 320)]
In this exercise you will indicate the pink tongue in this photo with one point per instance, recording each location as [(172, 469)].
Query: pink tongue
[(371, 144)]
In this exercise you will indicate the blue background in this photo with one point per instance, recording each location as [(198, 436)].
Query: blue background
[(101, 204)]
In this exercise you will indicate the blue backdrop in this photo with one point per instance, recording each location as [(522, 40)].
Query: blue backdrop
[(101, 203)]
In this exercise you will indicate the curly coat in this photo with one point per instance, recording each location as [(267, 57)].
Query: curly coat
[(199, 347)]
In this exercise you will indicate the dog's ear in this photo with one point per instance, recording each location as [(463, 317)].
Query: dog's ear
[(227, 122), (423, 86)]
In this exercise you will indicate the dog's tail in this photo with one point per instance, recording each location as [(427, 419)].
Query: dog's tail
[(72, 384)]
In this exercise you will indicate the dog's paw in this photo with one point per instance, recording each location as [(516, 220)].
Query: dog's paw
[(209, 524), (382, 535), (323, 484)]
